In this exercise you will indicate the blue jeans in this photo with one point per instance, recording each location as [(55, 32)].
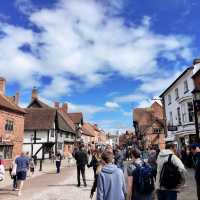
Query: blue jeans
[(167, 195), (137, 196)]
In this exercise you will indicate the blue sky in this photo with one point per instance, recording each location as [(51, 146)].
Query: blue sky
[(103, 57)]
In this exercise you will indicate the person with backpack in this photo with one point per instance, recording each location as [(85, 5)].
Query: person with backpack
[(140, 178), (170, 173), (196, 159), (110, 182)]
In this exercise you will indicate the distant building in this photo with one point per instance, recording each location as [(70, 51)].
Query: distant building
[(11, 125), (149, 126), (179, 111), (47, 130), (127, 139)]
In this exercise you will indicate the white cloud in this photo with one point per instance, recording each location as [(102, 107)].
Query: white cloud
[(84, 40), (129, 98), (111, 105)]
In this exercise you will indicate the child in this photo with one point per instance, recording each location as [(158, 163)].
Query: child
[(32, 166)]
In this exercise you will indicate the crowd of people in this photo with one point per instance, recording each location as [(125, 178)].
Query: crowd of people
[(157, 175), (118, 175)]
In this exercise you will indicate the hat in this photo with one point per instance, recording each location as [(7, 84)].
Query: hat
[(194, 145)]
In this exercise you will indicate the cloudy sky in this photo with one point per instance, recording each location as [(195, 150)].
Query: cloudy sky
[(103, 57)]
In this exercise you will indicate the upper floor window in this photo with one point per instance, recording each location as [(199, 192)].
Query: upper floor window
[(186, 89), (171, 118), (176, 93), (169, 99), (157, 130), (190, 112), (183, 108), (9, 125), (179, 115)]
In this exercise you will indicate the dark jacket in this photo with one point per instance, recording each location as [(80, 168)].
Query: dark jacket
[(119, 158), (81, 157), (94, 162), (197, 167)]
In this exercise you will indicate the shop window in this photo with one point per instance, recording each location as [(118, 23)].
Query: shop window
[(6, 151), (157, 130), (9, 125)]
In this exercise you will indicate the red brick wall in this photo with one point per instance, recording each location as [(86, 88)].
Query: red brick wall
[(14, 137)]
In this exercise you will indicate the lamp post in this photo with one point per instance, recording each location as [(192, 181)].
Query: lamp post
[(196, 104)]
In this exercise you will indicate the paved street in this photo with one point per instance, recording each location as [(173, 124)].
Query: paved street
[(51, 186)]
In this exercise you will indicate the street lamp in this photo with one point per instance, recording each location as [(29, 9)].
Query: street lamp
[(196, 104)]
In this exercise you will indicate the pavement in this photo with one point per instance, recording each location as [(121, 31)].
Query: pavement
[(51, 186)]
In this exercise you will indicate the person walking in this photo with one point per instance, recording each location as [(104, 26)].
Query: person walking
[(119, 158), (111, 182), (2, 170), (81, 158), (196, 159), (13, 173), (58, 162), (32, 167), (140, 178), (170, 173), (96, 158), (22, 163)]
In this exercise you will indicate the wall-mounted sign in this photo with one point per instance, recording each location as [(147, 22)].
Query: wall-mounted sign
[(172, 128)]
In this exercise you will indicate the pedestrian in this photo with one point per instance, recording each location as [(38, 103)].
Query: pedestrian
[(111, 182), (32, 166), (81, 158), (13, 173), (170, 173), (119, 158), (58, 162), (196, 159), (29, 159), (96, 158), (140, 178), (22, 163), (2, 170), (94, 186), (109, 148)]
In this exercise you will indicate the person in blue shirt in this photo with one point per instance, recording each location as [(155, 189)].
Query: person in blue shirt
[(22, 163)]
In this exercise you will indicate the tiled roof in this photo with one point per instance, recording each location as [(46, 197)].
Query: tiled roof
[(39, 119), (77, 118), (68, 120), (6, 103), (88, 130)]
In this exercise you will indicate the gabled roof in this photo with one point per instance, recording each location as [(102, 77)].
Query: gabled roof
[(77, 118), (39, 119), (188, 69), (6, 103), (88, 130), (36, 103), (71, 125)]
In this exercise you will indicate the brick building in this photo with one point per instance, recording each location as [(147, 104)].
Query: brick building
[(149, 126), (11, 125)]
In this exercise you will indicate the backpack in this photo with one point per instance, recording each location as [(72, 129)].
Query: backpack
[(170, 176), (143, 181)]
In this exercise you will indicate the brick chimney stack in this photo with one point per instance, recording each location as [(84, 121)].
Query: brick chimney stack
[(34, 93), (56, 105), (17, 98), (65, 107), (2, 85)]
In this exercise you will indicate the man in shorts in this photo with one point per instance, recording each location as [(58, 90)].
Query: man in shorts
[(22, 163)]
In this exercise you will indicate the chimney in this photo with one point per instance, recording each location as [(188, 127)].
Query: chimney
[(34, 93), (65, 107), (56, 105), (16, 98), (2, 85), (196, 61)]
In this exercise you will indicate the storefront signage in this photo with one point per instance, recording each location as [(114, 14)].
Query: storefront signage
[(172, 128)]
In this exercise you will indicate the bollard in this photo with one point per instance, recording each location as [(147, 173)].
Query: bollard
[(40, 165)]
